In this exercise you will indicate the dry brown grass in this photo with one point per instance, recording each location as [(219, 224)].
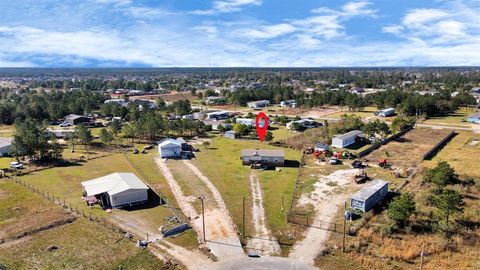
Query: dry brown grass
[(407, 151)]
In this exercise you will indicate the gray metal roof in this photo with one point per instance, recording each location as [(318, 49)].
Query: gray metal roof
[(5, 141), (368, 190), (263, 153), (475, 115), (349, 134)]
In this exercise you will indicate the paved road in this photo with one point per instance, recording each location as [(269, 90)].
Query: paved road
[(264, 263)]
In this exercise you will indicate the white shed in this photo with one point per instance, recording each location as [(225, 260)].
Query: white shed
[(344, 140), (5, 146), (117, 189), (169, 148)]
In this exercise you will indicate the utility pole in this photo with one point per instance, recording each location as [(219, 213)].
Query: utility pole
[(243, 217), (421, 256), (344, 226), (203, 219)]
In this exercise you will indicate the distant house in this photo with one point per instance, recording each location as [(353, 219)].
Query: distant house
[(386, 112), (216, 100), (119, 101), (251, 122), (303, 124), (258, 104), (61, 133), (369, 195), (5, 146), (344, 140), (216, 124), (474, 118), (117, 190), (170, 148), (75, 119), (231, 134), (263, 157), (220, 115), (288, 103)]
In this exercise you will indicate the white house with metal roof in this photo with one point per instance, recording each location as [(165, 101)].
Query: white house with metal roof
[(5, 146), (263, 157), (344, 140), (170, 148), (117, 189)]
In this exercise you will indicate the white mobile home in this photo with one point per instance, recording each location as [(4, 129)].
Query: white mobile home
[(258, 104), (369, 195), (344, 140), (117, 190), (169, 148), (263, 157)]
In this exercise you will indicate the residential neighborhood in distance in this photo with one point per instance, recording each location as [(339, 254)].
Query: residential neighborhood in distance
[(239, 135)]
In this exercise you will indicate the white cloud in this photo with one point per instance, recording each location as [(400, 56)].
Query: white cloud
[(226, 6), (146, 12), (418, 17), (267, 31), (358, 8), (115, 2)]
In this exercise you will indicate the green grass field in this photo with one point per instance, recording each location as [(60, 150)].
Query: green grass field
[(81, 244), (221, 163), (454, 119), (64, 182)]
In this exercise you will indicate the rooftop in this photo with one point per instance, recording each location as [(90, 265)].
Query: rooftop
[(369, 189), (349, 134), (263, 153), (5, 141), (113, 184), (168, 141)]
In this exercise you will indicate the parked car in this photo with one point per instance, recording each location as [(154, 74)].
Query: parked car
[(16, 165), (65, 124), (334, 161)]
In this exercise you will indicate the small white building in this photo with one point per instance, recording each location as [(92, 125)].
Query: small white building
[(219, 115), (117, 190), (169, 148), (246, 121), (5, 146), (386, 112), (258, 104), (344, 140)]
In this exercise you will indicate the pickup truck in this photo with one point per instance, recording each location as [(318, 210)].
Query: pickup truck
[(16, 165)]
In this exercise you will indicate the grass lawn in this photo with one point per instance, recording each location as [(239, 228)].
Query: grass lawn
[(281, 133), (365, 113), (81, 244), (462, 152), (454, 119), (64, 182), (221, 163)]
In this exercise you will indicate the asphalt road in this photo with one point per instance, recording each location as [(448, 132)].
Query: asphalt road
[(264, 263)]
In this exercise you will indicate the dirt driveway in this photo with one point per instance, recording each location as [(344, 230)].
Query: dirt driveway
[(328, 196), (220, 233), (262, 241)]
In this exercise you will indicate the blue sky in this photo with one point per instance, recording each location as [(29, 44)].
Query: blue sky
[(230, 33)]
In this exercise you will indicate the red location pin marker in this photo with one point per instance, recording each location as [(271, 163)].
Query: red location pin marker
[(261, 127)]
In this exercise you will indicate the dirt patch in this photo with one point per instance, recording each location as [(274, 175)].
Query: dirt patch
[(328, 195), (4, 194), (262, 241)]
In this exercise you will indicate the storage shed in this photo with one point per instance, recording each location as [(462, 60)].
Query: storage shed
[(344, 140), (169, 148), (386, 112), (117, 190), (369, 195), (5, 146), (263, 157), (75, 119), (231, 134)]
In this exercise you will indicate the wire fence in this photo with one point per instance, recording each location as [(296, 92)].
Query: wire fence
[(297, 191), (318, 224)]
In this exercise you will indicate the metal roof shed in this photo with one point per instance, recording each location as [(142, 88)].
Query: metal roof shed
[(122, 189), (369, 195)]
